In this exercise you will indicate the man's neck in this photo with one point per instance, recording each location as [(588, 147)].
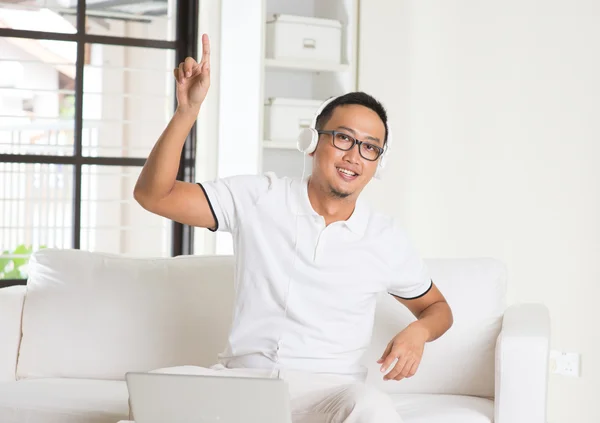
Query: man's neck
[(326, 204)]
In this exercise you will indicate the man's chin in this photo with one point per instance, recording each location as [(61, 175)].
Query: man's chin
[(339, 193)]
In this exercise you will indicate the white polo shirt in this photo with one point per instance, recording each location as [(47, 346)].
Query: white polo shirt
[(327, 276)]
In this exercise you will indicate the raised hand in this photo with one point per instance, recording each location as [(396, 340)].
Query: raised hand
[(193, 79)]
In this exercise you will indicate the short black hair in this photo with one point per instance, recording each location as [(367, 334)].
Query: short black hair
[(357, 97)]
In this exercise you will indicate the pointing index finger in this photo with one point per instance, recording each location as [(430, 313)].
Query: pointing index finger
[(205, 50)]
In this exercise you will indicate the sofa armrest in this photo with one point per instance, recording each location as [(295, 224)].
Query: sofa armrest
[(522, 353), (11, 309)]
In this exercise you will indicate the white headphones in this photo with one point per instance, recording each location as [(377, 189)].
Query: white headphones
[(309, 137)]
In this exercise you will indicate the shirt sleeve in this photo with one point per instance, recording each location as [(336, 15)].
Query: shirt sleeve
[(410, 277), (230, 198)]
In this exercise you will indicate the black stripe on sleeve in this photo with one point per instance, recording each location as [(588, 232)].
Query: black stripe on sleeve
[(418, 296), (211, 209)]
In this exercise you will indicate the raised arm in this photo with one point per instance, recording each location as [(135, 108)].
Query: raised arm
[(157, 189)]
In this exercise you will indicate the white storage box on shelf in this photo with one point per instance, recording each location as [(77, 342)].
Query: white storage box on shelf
[(302, 38), (285, 118)]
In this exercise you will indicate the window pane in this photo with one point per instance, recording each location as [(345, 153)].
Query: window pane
[(112, 221), (128, 99), (37, 96), (36, 211), (40, 15), (151, 19)]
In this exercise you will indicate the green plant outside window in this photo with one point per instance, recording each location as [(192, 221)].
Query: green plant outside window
[(13, 264)]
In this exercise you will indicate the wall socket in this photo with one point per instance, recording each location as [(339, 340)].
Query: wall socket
[(567, 364)]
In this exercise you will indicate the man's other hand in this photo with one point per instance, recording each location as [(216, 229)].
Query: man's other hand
[(408, 348)]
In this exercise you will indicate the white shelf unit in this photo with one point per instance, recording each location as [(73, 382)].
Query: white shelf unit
[(305, 65), (306, 79)]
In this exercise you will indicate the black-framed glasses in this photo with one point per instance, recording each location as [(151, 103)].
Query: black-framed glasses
[(345, 142)]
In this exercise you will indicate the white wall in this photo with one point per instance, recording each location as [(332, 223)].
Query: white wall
[(207, 124), (495, 106), (240, 73)]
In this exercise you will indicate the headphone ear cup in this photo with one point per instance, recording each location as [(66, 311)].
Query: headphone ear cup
[(378, 173), (307, 140), (380, 167), (382, 160)]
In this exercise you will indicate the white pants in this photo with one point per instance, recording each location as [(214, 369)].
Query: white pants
[(317, 398)]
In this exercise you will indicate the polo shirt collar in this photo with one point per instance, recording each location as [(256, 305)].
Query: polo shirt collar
[(357, 222)]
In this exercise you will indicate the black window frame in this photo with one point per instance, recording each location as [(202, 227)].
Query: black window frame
[(185, 44)]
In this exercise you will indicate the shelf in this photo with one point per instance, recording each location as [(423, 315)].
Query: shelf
[(306, 65), (282, 145)]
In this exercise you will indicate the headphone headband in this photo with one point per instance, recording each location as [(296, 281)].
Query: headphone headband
[(322, 107)]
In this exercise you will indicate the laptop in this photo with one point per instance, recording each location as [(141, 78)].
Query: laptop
[(177, 398)]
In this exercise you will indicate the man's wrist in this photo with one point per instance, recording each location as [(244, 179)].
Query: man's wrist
[(419, 327), (188, 110)]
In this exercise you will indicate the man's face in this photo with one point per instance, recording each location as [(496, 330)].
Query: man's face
[(346, 173)]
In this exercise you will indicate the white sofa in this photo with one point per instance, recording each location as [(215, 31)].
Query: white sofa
[(85, 319)]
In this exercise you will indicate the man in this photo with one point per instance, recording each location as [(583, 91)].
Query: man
[(310, 258)]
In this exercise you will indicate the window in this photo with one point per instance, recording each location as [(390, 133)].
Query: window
[(86, 88)]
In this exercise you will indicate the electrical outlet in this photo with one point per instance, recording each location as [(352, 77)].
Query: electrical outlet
[(566, 364)]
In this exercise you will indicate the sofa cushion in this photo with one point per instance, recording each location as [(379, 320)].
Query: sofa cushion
[(462, 361), (98, 316), (415, 408), (93, 401), (63, 401)]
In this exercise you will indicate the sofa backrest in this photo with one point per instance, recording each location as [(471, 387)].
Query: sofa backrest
[(94, 315), (461, 361), (97, 315)]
